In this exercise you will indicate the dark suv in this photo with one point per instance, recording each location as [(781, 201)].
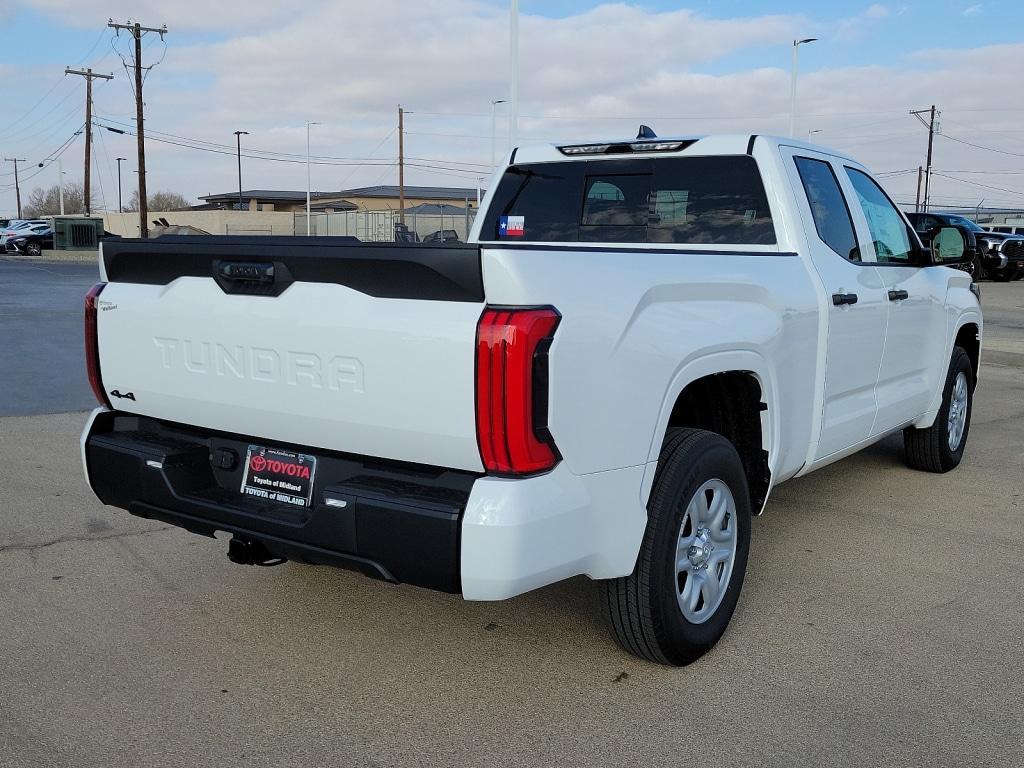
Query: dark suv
[(997, 255)]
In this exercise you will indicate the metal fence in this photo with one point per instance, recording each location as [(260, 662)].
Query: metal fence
[(258, 229), (381, 226)]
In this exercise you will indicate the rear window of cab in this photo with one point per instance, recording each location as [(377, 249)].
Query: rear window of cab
[(693, 200)]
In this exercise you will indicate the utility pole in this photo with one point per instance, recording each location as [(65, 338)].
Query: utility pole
[(917, 201), (89, 76), (120, 208), (930, 125), (238, 141), (401, 165), (17, 188), (136, 30)]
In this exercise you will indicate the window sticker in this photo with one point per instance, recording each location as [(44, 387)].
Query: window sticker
[(512, 226)]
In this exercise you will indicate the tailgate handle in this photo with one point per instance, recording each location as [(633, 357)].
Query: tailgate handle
[(248, 271)]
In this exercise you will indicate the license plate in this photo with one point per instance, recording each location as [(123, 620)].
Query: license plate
[(281, 476)]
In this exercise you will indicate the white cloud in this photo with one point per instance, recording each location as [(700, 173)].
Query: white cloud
[(594, 74), (857, 27), (973, 10)]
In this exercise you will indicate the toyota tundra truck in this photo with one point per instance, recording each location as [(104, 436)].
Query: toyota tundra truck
[(640, 339)]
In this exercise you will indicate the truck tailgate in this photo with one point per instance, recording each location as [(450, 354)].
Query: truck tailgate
[(354, 347)]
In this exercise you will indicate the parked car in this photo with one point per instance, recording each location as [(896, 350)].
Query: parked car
[(640, 340), (31, 241), (998, 255), (20, 229), (442, 236)]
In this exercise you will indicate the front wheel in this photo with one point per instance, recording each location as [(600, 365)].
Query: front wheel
[(940, 447), (34, 250), (678, 601), (977, 269)]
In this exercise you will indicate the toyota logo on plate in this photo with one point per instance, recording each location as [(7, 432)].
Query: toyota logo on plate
[(257, 463)]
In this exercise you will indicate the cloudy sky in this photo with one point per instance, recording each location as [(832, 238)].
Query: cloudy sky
[(589, 70)]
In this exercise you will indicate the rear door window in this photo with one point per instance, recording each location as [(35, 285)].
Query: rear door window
[(695, 200), (828, 207)]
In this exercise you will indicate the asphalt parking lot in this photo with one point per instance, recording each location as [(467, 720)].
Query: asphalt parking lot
[(881, 622)]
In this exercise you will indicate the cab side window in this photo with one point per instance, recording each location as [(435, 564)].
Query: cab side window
[(888, 230), (828, 207)]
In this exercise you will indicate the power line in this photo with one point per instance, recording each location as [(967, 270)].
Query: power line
[(979, 146), (978, 184)]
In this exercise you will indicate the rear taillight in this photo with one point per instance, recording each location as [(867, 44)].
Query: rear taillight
[(512, 390), (92, 346)]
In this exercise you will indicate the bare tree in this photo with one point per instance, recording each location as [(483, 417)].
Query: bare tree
[(159, 201), (46, 202)]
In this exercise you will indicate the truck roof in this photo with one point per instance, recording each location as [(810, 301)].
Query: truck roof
[(711, 144)]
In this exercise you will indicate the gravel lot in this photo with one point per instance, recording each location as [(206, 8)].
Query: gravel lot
[(881, 622)]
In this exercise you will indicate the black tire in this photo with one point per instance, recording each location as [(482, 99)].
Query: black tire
[(928, 449), (978, 269), (35, 250), (643, 608)]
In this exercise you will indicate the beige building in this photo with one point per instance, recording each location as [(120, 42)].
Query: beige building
[(377, 198)]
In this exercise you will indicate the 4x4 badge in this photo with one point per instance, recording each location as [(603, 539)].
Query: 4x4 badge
[(126, 395)]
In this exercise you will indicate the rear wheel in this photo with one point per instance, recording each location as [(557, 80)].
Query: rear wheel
[(940, 447), (33, 249), (678, 601)]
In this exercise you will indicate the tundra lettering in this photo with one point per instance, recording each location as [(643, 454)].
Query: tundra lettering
[(261, 364)]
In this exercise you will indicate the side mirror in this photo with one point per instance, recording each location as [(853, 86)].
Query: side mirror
[(952, 245)]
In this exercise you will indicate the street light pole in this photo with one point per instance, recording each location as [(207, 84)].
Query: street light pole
[(792, 84), (494, 130), (60, 184), (309, 229), (120, 208), (513, 112), (238, 142)]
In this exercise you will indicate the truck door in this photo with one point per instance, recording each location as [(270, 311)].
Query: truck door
[(914, 363), (855, 311)]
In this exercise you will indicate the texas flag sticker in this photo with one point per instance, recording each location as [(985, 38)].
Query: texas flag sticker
[(512, 226)]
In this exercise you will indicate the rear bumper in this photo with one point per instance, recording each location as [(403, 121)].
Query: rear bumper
[(487, 538), (392, 521)]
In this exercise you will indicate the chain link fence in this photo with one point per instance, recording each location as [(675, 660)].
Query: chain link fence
[(386, 226)]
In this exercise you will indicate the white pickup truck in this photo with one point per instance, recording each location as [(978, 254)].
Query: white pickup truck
[(640, 340)]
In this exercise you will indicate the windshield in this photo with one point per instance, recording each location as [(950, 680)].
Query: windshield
[(960, 221)]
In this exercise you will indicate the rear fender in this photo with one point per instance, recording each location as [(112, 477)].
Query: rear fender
[(746, 361)]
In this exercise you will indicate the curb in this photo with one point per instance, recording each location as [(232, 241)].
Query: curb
[(67, 257)]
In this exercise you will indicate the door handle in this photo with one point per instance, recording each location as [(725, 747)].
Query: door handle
[(838, 299), (898, 295)]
